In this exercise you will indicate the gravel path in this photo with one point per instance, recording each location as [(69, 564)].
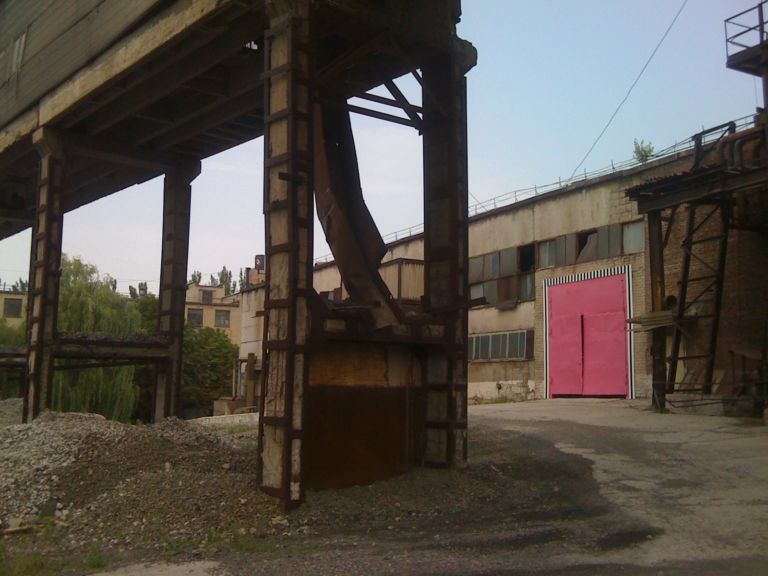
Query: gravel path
[(534, 499)]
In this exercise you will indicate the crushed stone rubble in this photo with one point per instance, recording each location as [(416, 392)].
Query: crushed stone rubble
[(128, 486), (33, 456)]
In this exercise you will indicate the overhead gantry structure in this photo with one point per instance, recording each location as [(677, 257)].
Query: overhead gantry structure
[(716, 206), (352, 391)]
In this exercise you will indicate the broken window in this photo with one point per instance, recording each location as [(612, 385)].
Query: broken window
[(207, 296), (547, 254), (490, 291), (476, 269), (221, 319), (507, 293), (12, 308), (633, 237), (586, 246), (476, 292), (508, 261), (195, 317), (491, 266), (526, 258)]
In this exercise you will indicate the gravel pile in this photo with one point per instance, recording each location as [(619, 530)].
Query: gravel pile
[(10, 411), (33, 457), (126, 487)]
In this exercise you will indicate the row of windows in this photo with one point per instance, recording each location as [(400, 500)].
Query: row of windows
[(506, 277), (516, 345), (220, 319), (12, 307)]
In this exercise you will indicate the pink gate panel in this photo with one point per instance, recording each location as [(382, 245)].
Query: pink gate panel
[(587, 338)]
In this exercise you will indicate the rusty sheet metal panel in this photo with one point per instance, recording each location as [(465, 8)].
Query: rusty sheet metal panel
[(412, 280), (43, 43)]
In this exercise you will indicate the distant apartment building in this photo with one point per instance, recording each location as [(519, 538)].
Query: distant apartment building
[(209, 306), (13, 306)]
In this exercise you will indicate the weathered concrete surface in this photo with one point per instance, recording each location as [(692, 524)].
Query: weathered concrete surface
[(566, 487), (163, 569), (700, 479)]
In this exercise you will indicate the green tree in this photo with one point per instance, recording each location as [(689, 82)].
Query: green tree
[(143, 375), (133, 293), (225, 279), (209, 357), (89, 303), (20, 285), (10, 379), (643, 151), (197, 277)]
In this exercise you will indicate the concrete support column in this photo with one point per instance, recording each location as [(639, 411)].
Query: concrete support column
[(445, 258), (177, 194), (659, 334), (44, 274), (288, 208)]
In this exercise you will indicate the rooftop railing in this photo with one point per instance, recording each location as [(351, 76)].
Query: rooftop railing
[(514, 196), (746, 29)]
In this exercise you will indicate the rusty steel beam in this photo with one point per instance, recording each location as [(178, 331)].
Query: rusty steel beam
[(177, 194), (656, 245), (288, 209), (351, 232)]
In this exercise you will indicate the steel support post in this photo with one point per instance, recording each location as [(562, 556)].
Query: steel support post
[(722, 252), (288, 209), (177, 193), (685, 271), (44, 274), (659, 334), (445, 258)]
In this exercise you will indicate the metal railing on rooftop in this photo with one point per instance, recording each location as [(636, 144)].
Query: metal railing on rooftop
[(741, 31), (507, 199)]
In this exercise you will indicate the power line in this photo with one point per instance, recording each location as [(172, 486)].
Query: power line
[(626, 96)]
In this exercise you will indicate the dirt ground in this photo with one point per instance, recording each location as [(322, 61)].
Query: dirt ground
[(552, 487)]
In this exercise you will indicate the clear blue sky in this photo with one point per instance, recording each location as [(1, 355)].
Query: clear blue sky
[(549, 75)]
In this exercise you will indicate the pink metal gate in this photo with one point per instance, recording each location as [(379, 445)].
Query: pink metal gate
[(587, 338)]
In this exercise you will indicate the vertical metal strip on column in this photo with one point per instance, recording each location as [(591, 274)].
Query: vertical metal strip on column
[(288, 210), (44, 276), (659, 334), (177, 196), (445, 251)]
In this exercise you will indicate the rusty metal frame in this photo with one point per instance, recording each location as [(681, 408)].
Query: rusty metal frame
[(713, 283), (44, 343), (445, 258)]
